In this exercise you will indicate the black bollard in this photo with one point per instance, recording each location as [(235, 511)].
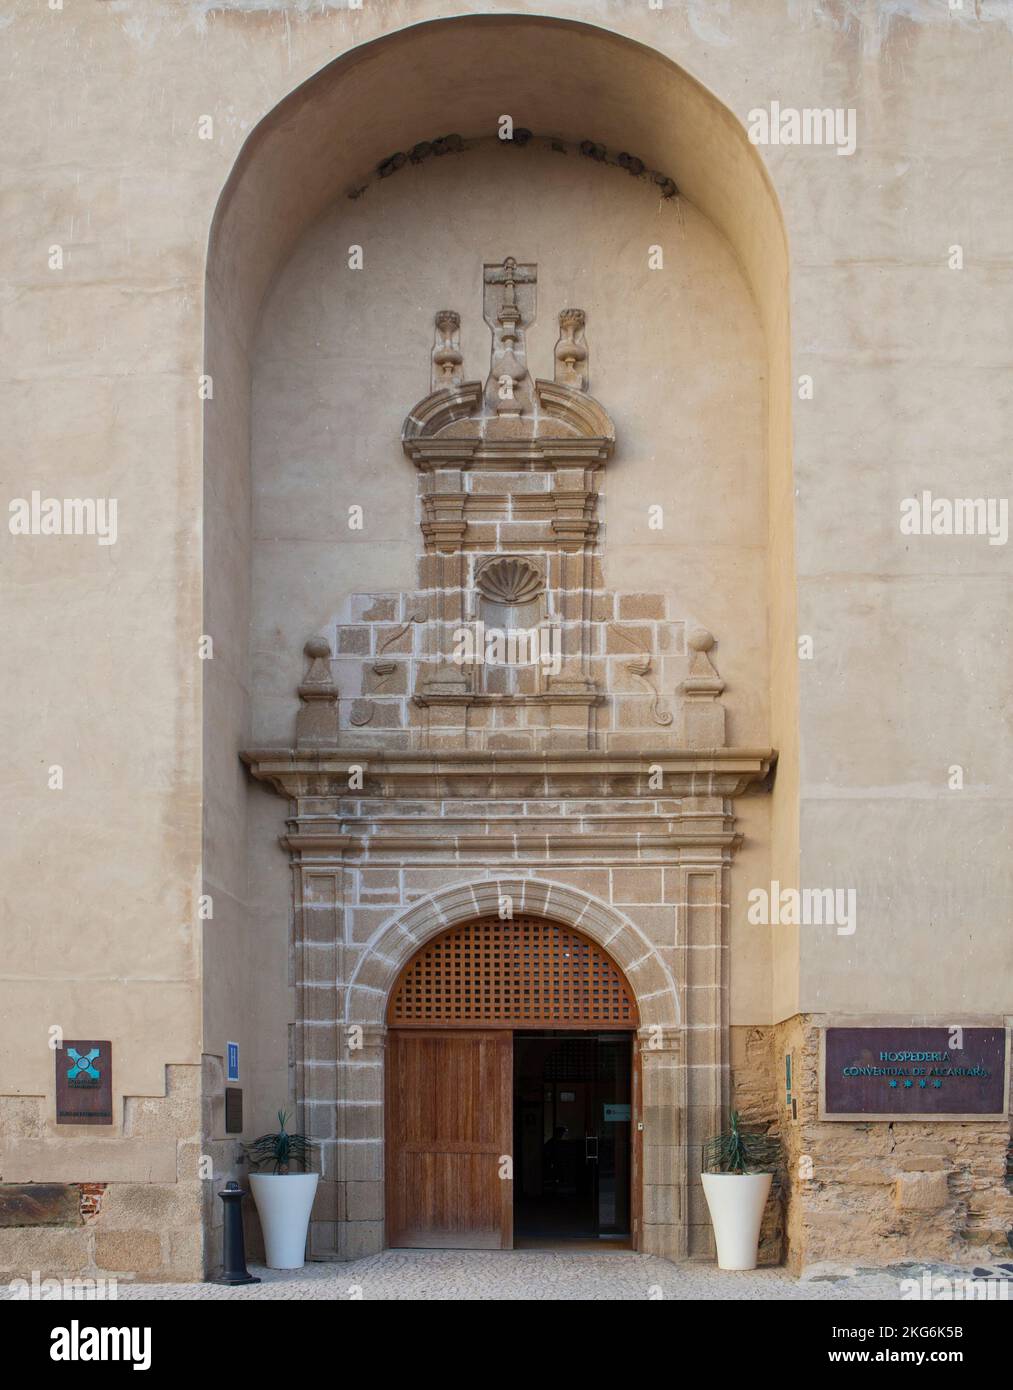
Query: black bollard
[(234, 1269)]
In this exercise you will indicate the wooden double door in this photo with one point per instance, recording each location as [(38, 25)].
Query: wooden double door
[(478, 1117)]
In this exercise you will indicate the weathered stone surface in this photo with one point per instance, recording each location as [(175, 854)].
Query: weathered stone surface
[(90, 1160), (921, 1192), (21, 1117), (40, 1204), (48, 1249), (151, 1206), (176, 1115), (880, 1192), (754, 1095), (129, 1252)]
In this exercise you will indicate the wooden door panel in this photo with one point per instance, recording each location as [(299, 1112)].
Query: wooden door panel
[(449, 1122)]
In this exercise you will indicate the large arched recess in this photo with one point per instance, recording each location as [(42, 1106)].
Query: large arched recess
[(558, 77)]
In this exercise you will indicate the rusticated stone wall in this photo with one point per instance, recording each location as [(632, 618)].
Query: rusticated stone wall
[(755, 1095), (881, 1190), (91, 1213)]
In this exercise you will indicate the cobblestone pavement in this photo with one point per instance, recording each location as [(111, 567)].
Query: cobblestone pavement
[(536, 1274)]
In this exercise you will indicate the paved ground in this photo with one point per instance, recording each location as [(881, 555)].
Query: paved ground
[(538, 1274)]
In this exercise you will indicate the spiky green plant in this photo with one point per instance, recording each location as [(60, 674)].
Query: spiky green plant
[(281, 1149), (736, 1151)]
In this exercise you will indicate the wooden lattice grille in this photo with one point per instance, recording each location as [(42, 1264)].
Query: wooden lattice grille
[(514, 974)]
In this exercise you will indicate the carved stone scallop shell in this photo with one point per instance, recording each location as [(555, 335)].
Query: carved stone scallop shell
[(510, 580)]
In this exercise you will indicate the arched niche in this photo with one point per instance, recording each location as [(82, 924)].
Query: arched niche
[(327, 138), (569, 79)]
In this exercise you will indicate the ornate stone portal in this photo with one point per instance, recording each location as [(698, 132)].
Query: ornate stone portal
[(508, 738)]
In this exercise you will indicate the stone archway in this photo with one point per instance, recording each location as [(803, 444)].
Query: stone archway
[(663, 1169), (389, 950)]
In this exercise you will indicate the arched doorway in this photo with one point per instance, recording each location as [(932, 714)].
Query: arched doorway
[(512, 1091)]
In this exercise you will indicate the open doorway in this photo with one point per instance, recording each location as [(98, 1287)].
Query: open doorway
[(572, 1118)]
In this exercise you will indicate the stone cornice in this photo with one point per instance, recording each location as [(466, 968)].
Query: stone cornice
[(587, 431), (510, 455), (641, 847), (723, 772)]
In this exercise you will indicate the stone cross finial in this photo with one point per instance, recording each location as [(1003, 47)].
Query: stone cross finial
[(316, 723), (509, 309)]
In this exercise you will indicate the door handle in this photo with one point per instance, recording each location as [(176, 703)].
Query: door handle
[(591, 1148)]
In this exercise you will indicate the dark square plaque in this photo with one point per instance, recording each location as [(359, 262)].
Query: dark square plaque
[(914, 1073), (84, 1082), (233, 1110)]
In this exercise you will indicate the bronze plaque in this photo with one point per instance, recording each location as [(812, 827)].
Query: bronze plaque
[(233, 1110), (84, 1083), (907, 1073)]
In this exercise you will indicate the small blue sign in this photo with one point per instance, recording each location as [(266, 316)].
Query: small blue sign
[(232, 1062)]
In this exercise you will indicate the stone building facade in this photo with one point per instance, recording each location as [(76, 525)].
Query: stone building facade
[(507, 533)]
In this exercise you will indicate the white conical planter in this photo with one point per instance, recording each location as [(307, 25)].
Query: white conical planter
[(736, 1202), (284, 1202)]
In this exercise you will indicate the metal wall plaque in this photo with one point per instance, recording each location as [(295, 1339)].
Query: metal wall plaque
[(233, 1110), (84, 1082), (914, 1073)]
